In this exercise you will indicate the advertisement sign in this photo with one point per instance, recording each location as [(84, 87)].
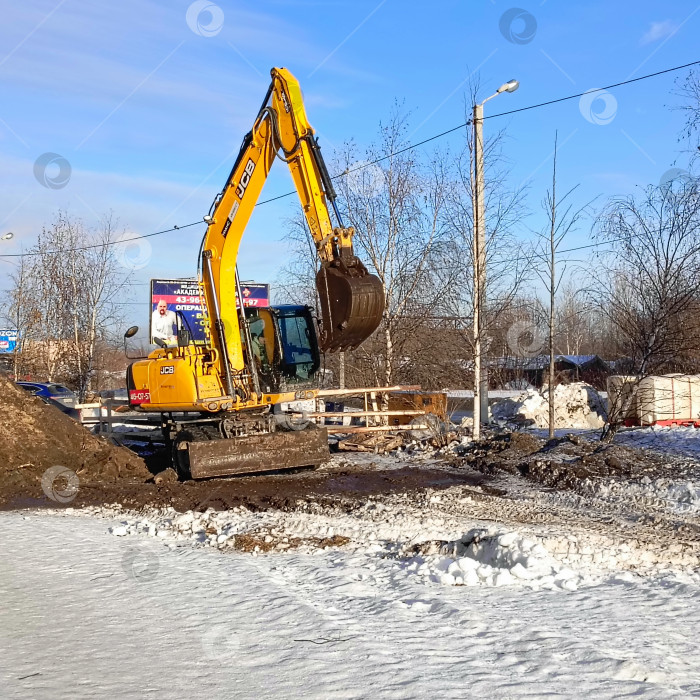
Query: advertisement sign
[(254, 294), (8, 341), (176, 304), (171, 300)]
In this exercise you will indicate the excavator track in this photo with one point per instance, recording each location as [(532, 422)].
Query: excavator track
[(199, 453)]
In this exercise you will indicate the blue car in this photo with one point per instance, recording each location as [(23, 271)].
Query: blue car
[(53, 394)]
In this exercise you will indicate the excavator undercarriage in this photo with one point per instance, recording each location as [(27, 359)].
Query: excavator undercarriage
[(225, 446)]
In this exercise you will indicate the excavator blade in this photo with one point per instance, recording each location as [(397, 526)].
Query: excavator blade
[(351, 308), (253, 453)]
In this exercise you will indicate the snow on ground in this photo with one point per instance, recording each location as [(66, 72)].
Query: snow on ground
[(679, 441), (460, 592), (91, 613)]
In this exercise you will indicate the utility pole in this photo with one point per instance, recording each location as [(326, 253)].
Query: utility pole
[(481, 381), (479, 263)]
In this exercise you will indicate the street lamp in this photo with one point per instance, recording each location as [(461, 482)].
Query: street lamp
[(7, 236), (481, 382)]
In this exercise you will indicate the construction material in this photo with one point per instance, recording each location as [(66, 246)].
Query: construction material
[(379, 444), (377, 428), (402, 404), (367, 390), (670, 399)]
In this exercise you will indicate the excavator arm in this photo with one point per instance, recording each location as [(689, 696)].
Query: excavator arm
[(351, 299)]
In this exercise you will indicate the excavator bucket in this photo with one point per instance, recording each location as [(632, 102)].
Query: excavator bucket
[(352, 304)]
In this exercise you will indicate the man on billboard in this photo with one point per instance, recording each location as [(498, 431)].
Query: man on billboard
[(164, 323)]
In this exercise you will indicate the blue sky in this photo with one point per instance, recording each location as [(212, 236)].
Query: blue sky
[(149, 106)]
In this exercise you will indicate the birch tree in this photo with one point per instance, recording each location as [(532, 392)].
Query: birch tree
[(648, 283), (65, 295), (396, 207)]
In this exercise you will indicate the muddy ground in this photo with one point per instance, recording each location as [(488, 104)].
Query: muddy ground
[(507, 475), (493, 469)]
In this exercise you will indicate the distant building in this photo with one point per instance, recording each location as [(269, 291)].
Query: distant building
[(514, 371)]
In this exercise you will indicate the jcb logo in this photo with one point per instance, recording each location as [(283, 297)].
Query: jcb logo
[(167, 369), (245, 178)]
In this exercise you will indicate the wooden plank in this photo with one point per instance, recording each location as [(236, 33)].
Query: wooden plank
[(375, 428), (357, 414), (366, 390)]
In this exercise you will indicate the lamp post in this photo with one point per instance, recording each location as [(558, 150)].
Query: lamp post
[(481, 391), (7, 236)]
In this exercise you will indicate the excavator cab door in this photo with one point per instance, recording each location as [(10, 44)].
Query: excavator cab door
[(298, 353)]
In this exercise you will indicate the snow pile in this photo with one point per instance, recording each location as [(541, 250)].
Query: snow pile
[(576, 405), (497, 558)]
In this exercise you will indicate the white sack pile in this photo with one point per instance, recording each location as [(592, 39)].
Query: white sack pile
[(575, 406)]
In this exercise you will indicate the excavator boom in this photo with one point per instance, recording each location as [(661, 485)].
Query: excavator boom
[(351, 299)]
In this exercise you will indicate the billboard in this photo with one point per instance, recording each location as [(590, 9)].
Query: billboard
[(8, 341), (171, 300), (254, 294)]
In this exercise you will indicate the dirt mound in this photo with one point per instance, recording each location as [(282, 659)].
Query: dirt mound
[(568, 462), (576, 405), (46, 455)]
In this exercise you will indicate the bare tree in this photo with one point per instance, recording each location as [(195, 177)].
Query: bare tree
[(648, 284), (65, 296), (21, 314), (574, 324), (295, 283), (507, 259), (689, 91), (396, 208), (560, 224)]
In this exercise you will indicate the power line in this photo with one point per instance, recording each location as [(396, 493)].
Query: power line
[(389, 155), (492, 116), (581, 94), (100, 245)]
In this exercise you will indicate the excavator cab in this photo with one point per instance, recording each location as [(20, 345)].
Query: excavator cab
[(283, 344), (300, 358)]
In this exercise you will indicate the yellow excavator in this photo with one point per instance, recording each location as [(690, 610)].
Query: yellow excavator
[(221, 402)]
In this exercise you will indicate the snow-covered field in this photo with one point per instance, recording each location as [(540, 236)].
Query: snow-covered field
[(451, 593), (89, 614)]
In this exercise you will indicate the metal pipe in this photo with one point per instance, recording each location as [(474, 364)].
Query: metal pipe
[(248, 338), (218, 323)]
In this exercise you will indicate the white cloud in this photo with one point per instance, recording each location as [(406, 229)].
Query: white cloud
[(659, 30)]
